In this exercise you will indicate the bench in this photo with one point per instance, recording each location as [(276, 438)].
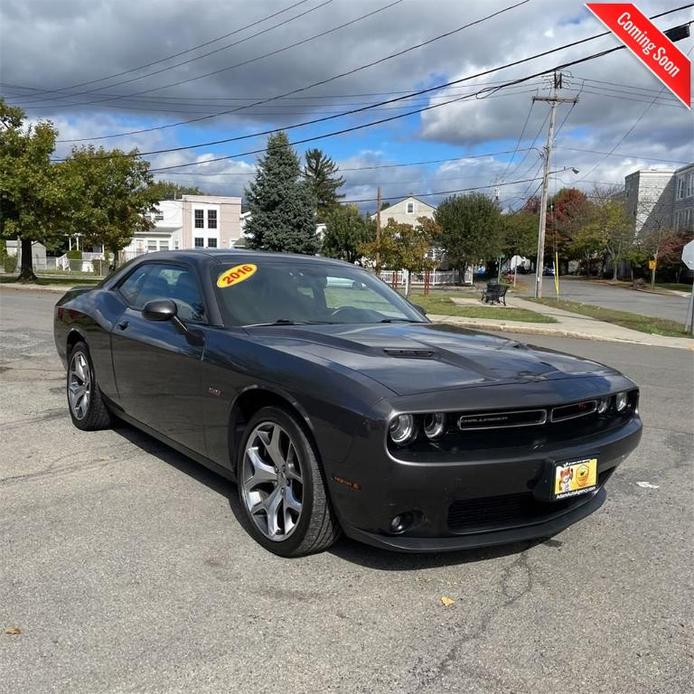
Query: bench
[(495, 293)]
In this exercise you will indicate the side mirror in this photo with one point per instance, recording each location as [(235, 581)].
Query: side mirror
[(159, 310), (421, 309)]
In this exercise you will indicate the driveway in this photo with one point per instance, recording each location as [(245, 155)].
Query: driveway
[(124, 568), (644, 303)]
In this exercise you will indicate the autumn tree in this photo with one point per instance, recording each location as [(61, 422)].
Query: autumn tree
[(346, 231), (281, 203), (471, 229), (321, 175), (32, 200), (568, 211), (404, 246), (111, 194)]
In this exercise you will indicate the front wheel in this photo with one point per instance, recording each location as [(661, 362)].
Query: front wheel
[(85, 402), (281, 487)]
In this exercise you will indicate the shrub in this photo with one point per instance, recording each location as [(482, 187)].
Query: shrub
[(9, 263), (74, 254)]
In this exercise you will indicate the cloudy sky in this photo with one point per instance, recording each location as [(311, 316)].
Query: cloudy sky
[(166, 74)]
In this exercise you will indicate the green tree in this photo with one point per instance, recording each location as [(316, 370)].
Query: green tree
[(568, 211), (32, 201), (280, 203), (111, 192), (346, 230), (321, 174), (609, 225), (520, 234), (169, 190), (404, 247), (471, 229)]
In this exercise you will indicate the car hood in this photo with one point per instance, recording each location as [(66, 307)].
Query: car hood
[(423, 357)]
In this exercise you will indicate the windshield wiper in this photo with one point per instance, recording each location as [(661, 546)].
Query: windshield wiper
[(286, 321), (400, 320)]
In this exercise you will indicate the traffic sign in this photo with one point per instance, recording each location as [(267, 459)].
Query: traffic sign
[(688, 255)]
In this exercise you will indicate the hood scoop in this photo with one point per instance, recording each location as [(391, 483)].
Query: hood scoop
[(410, 353)]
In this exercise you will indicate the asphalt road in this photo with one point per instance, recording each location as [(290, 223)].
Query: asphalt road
[(644, 303), (124, 567)]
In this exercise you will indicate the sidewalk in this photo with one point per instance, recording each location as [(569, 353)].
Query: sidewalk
[(568, 325)]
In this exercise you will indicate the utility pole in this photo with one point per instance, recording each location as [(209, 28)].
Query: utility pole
[(378, 230), (553, 101)]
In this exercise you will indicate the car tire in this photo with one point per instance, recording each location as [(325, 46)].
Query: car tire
[(88, 412), (273, 482)]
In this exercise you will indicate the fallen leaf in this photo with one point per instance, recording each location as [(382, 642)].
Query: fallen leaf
[(648, 485), (13, 631), (446, 601)]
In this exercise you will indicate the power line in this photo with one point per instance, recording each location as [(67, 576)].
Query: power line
[(243, 63), (318, 83), (180, 53), (629, 131)]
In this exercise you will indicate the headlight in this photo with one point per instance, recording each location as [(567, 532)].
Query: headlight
[(603, 405), (401, 429), (434, 424), (621, 400)]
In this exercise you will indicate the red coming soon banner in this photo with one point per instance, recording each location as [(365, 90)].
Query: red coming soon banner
[(649, 44)]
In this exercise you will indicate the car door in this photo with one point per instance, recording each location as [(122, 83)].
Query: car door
[(157, 367)]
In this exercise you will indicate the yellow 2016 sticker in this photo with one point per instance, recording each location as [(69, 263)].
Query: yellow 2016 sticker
[(236, 274)]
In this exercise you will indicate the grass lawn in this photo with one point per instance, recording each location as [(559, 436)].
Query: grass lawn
[(644, 324), (679, 287), (67, 281), (440, 303)]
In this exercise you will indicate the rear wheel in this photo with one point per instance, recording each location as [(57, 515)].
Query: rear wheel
[(281, 487), (85, 402)]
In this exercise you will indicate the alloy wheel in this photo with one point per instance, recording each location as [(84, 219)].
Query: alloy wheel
[(272, 481), (79, 385)]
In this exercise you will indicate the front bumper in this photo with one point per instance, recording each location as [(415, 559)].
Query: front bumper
[(472, 503)]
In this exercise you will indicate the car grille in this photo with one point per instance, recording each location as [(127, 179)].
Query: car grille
[(511, 510)]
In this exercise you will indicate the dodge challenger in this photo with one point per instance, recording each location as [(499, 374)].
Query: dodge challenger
[(337, 406)]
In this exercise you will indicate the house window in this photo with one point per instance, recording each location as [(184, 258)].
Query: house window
[(681, 187), (199, 242), (151, 245), (211, 219), (158, 216), (212, 243), (163, 245), (690, 185), (410, 208), (199, 219)]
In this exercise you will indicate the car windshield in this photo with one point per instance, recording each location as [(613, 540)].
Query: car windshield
[(267, 292)]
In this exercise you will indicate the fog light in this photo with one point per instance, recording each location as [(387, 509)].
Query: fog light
[(621, 401), (603, 405), (402, 429), (434, 424), (401, 522)]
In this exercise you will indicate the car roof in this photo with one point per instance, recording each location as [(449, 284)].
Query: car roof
[(222, 255)]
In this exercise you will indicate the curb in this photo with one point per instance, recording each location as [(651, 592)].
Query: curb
[(39, 288), (535, 329)]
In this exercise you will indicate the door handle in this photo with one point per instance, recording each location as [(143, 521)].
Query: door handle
[(123, 324)]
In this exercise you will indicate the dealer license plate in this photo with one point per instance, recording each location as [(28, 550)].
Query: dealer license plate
[(575, 477)]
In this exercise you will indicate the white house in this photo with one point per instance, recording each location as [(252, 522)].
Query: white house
[(193, 221)]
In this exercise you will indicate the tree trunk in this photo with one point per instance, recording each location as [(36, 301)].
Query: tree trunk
[(407, 283), (26, 272), (614, 267)]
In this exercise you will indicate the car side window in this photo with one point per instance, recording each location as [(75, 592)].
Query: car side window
[(162, 281)]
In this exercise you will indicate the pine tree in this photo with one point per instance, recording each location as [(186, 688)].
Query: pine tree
[(320, 172), (280, 202)]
